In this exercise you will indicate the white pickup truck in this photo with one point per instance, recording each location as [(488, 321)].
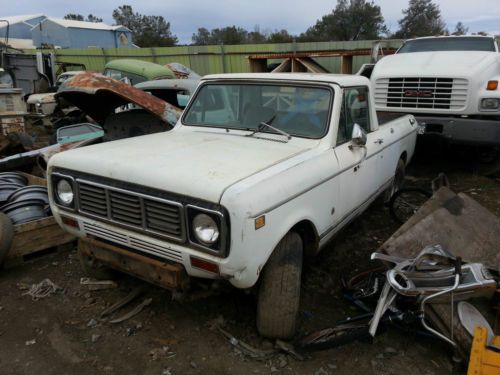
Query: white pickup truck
[(259, 170), (450, 84)]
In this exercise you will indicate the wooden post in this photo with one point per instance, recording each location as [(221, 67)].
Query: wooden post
[(258, 65), (346, 64)]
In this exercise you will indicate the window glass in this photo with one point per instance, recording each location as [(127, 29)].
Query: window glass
[(448, 44), (297, 110), (354, 110)]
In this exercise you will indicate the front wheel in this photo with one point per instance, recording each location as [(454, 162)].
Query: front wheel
[(279, 293)]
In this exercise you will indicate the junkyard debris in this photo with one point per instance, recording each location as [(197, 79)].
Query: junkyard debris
[(43, 289), (119, 304), (93, 284), (246, 348), (136, 310)]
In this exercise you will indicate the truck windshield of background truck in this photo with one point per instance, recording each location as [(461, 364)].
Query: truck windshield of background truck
[(302, 111), (448, 44)]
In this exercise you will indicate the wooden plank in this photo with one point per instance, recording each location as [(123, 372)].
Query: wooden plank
[(37, 235), (35, 180)]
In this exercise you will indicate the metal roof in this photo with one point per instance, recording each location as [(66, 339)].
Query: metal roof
[(17, 19), (84, 24)]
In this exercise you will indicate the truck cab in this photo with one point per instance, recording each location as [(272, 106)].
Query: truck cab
[(450, 84)]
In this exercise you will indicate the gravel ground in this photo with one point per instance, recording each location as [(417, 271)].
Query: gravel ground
[(61, 333)]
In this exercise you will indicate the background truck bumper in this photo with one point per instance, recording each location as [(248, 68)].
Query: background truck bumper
[(463, 130)]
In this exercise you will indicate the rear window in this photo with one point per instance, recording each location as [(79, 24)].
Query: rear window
[(448, 44)]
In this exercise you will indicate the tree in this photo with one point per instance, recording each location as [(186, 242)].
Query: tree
[(79, 17), (92, 18), (225, 35), (73, 16), (256, 36), (460, 29), (350, 20), (281, 36), (147, 31), (421, 18), (202, 37)]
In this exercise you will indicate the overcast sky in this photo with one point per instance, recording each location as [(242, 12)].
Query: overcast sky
[(186, 16)]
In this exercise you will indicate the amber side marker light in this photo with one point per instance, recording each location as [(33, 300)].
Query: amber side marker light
[(204, 265), (260, 222), (70, 222), (492, 85)]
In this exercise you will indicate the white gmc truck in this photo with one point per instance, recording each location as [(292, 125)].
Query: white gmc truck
[(450, 84), (260, 170)]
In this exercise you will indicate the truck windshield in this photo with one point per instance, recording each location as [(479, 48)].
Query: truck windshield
[(448, 44), (301, 111)]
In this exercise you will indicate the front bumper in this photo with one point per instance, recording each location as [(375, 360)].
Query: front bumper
[(169, 275), (463, 130)]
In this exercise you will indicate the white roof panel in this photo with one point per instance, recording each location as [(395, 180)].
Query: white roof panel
[(84, 24), (340, 79), (16, 19)]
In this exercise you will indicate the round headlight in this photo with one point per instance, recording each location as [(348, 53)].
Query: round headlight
[(64, 192), (205, 229)]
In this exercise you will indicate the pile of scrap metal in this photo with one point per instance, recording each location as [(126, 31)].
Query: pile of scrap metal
[(436, 281), (121, 110), (424, 288)]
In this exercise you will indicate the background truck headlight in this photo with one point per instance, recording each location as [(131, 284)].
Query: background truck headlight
[(205, 229), (490, 103), (64, 192)]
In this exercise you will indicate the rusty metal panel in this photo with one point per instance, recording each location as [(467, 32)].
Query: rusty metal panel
[(98, 95), (168, 275)]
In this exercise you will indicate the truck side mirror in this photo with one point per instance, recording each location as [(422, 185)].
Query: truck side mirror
[(358, 136)]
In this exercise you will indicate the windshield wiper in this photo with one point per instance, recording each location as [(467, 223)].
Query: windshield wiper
[(267, 124)]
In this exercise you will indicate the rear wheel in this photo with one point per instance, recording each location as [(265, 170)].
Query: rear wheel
[(279, 293)]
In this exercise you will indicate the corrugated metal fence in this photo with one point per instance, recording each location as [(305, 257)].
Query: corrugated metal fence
[(215, 58)]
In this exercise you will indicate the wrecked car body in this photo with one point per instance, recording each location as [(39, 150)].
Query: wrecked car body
[(106, 101)]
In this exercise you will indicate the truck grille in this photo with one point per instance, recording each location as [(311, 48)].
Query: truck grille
[(423, 92), (130, 209)]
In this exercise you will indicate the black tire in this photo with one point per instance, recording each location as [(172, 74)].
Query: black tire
[(6, 236), (406, 202), (396, 185), (279, 292), (91, 267)]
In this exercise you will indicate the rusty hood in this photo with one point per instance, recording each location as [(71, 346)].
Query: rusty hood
[(98, 96)]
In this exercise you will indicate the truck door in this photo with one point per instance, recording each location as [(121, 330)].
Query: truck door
[(359, 178)]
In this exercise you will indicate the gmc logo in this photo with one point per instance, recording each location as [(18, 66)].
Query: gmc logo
[(418, 94)]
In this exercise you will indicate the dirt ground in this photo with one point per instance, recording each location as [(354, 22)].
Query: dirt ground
[(61, 334)]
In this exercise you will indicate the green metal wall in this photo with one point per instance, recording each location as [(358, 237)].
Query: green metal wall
[(215, 59)]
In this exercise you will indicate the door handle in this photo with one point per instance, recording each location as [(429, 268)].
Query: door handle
[(379, 141)]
